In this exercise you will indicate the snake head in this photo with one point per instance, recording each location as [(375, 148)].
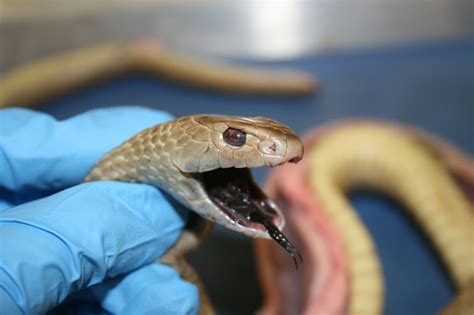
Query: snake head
[(204, 161), (209, 142), (216, 153)]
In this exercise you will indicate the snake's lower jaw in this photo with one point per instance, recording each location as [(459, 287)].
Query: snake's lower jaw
[(249, 232), (240, 204), (245, 207)]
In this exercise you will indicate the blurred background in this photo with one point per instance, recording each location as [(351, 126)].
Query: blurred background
[(406, 61), (261, 30)]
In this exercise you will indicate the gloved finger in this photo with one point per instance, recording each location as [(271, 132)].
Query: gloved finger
[(78, 237), (153, 289), (41, 155)]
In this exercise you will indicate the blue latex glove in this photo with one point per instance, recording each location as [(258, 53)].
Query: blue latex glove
[(89, 244)]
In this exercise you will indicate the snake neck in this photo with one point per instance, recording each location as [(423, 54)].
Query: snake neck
[(148, 158)]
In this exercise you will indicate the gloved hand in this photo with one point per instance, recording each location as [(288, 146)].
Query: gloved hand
[(91, 245)]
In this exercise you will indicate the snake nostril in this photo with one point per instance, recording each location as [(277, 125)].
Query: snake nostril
[(268, 147), (273, 147)]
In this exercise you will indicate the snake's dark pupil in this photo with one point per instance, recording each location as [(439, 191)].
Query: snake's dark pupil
[(234, 137)]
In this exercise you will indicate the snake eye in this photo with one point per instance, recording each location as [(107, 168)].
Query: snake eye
[(234, 137)]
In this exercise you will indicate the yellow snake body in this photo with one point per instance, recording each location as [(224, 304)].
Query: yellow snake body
[(63, 73), (378, 157)]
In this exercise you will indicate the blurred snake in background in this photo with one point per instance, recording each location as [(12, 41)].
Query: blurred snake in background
[(203, 161)]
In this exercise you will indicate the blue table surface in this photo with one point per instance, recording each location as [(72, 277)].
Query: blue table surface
[(429, 86)]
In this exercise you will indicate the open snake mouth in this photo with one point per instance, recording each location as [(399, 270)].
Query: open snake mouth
[(234, 191)]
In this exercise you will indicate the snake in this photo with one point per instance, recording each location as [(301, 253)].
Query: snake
[(59, 74), (421, 172), (203, 161)]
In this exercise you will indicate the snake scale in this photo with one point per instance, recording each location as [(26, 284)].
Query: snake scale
[(202, 161)]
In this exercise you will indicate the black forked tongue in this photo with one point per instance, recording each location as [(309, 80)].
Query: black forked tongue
[(234, 191), (278, 236)]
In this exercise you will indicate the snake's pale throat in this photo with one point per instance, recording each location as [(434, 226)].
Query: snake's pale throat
[(236, 194)]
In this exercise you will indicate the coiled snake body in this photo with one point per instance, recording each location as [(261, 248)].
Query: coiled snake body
[(410, 166), (375, 157)]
